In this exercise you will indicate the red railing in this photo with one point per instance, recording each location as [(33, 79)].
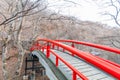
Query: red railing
[(98, 46), (75, 71), (106, 66), (47, 47), (109, 61), (106, 48)]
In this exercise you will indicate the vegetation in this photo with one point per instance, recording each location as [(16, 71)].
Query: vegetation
[(25, 20)]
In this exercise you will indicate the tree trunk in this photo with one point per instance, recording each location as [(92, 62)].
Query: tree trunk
[(20, 57), (4, 64), (19, 43)]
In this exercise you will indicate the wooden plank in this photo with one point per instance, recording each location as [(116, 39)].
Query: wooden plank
[(88, 70)]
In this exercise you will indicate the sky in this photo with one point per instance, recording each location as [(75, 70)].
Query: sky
[(86, 10)]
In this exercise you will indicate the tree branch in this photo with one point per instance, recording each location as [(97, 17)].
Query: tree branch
[(14, 17)]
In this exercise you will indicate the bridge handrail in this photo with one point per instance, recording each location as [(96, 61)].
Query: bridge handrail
[(36, 46), (75, 71), (107, 67), (106, 48), (47, 47), (118, 65), (98, 46), (103, 47)]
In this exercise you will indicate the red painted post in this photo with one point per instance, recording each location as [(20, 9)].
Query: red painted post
[(37, 44), (56, 61), (74, 76), (31, 49), (48, 51), (73, 45), (53, 46)]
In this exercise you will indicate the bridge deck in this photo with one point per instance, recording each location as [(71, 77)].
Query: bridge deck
[(91, 72), (87, 69)]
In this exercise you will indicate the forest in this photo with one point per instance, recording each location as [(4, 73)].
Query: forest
[(23, 21)]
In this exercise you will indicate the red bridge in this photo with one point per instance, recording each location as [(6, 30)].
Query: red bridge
[(72, 63)]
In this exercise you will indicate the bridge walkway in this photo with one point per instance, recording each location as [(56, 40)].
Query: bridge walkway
[(91, 72)]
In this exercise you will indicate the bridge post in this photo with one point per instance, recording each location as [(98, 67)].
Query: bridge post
[(74, 76), (73, 45), (48, 50), (53, 46), (25, 77), (33, 69), (56, 61), (26, 66)]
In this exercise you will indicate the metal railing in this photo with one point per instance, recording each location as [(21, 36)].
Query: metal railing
[(102, 64), (49, 51), (98, 46), (103, 47)]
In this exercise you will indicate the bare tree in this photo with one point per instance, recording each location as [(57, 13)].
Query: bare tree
[(12, 23), (115, 13), (5, 39)]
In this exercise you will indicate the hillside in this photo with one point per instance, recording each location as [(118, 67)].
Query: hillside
[(63, 27), (24, 21)]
